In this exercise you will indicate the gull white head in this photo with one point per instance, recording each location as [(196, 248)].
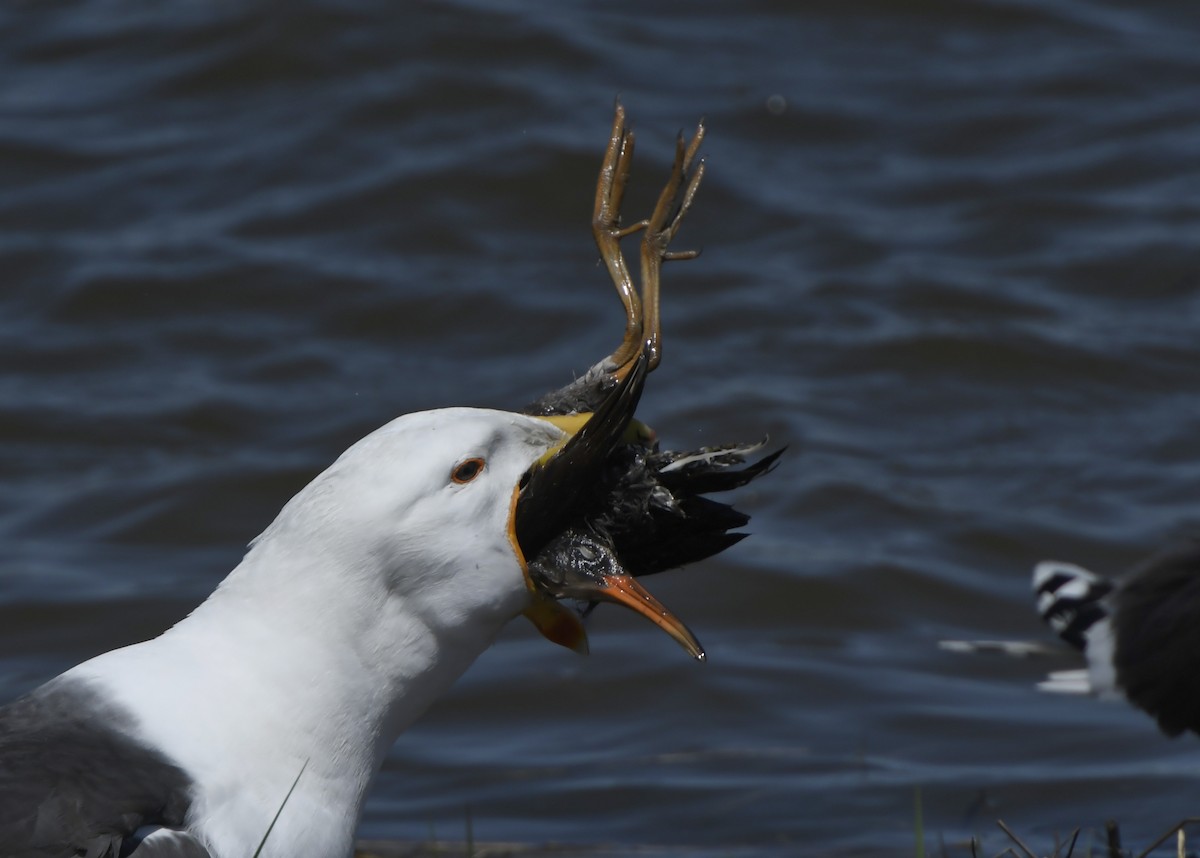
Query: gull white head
[(377, 585), (418, 514)]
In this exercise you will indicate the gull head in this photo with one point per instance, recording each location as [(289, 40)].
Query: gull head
[(435, 515)]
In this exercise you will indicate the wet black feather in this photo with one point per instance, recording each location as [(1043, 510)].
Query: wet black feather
[(719, 475), (656, 521), (582, 396)]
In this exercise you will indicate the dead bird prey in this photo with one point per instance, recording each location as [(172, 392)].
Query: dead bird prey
[(256, 725), (646, 511)]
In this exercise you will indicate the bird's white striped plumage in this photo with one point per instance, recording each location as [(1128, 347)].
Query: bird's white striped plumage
[(1071, 600)]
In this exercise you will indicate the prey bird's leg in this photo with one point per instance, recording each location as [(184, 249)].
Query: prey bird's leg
[(640, 300), (606, 228), (673, 204), (642, 320)]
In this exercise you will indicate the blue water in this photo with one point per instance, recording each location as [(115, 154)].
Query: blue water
[(950, 256)]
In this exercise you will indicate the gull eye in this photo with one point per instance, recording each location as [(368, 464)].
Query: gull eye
[(467, 470)]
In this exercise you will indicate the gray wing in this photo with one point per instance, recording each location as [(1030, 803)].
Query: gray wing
[(73, 782)]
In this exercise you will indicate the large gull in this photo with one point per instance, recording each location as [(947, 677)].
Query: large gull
[(257, 724)]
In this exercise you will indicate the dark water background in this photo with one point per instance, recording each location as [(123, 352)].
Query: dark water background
[(950, 255)]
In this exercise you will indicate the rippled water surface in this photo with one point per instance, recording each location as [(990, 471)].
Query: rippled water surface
[(950, 257)]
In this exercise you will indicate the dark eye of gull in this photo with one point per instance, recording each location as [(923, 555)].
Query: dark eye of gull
[(467, 470)]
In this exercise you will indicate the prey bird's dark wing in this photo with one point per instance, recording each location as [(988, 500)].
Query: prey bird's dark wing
[(712, 469), (630, 523), (653, 508), (72, 783), (650, 507)]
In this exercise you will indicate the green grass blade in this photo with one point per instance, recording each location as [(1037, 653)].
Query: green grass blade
[(918, 823), (271, 827)]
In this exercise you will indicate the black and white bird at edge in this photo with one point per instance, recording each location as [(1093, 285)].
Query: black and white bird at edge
[(257, 723), (1138, 636)]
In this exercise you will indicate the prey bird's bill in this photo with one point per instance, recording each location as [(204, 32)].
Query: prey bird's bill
[(583, 566)]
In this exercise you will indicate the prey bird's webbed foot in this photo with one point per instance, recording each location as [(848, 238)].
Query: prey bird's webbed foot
[(673, 203), (608, 232), (643, 330), (642, 325)]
